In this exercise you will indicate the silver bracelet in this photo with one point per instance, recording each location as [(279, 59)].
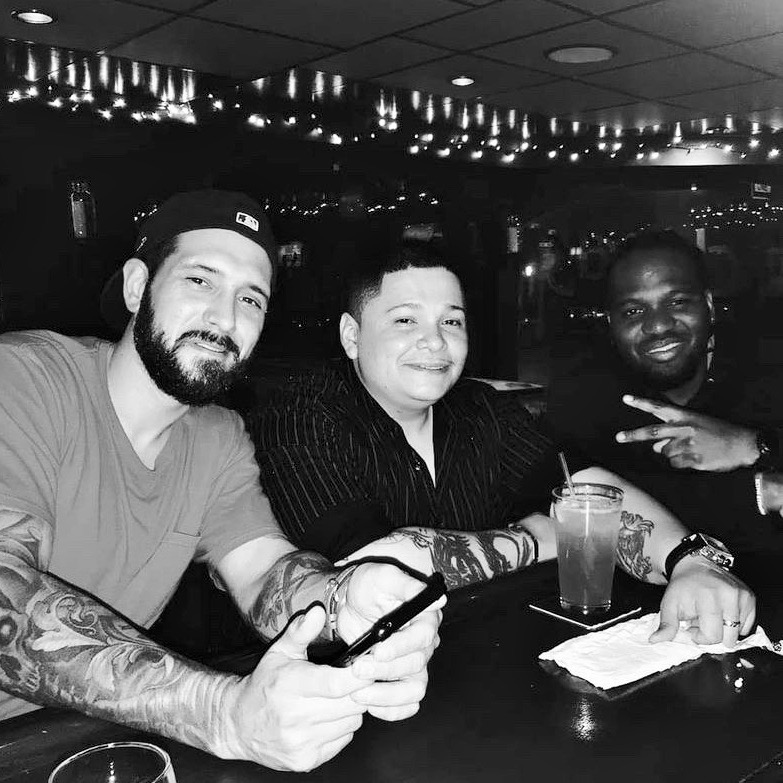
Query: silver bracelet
[(758, 479), (331, 601)]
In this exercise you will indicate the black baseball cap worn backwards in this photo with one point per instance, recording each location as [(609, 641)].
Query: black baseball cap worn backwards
[(187, 212)]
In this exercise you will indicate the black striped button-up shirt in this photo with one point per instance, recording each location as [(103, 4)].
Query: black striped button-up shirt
[(340, 473)]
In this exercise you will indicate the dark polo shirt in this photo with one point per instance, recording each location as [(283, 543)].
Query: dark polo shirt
[(585, 410), (340, 473)]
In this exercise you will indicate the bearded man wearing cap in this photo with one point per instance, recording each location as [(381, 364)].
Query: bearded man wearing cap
[(116, 472)]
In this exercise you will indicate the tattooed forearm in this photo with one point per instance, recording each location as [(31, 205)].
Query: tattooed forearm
[(286, 581), (634, 532), (467, 557), (60, 646)]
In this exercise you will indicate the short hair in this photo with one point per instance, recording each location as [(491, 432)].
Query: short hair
[(155, 256), (662, 240), (365, 280)]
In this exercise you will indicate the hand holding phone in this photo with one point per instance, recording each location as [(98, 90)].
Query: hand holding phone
[(393, 621)]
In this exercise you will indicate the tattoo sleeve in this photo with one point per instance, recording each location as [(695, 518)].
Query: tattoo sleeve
[(60, 646), (635, 530), (293, 583), (467, 557)]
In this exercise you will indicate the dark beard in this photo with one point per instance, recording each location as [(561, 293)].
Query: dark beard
[(210, 378)]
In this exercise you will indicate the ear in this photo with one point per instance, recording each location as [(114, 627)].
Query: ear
[(135, 277), (349, 335), (710, 305)]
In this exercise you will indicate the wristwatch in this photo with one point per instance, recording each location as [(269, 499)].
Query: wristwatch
[(768, 445), (699, 544)]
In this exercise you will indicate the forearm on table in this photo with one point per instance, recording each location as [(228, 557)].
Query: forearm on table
[(61, 647), (648, 530), (466, 557)]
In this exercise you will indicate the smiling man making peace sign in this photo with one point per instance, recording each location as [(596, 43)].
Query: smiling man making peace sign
[(672, 415)]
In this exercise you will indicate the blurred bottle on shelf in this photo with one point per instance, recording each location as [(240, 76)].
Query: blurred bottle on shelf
[(83, 213)]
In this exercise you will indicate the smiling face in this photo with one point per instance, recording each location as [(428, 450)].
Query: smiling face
[(410, 342), (200, 317), (660, 317)]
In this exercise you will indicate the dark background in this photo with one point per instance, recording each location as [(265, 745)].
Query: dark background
[(48, 279)]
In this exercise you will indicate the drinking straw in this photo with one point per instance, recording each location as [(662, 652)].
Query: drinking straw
[(566, 472)]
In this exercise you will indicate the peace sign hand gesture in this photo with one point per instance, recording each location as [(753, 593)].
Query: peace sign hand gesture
[(692, 440)]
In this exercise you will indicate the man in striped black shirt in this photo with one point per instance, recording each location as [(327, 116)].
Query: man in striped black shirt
[(392, 454)]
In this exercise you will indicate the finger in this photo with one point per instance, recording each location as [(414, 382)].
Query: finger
[(300, 633), (731, 630), (328, 683), (330, 749), (663, 412), (747, 612), (369, 668), (651, 432), (399, 693), (419, 635), (668, 624), (678, 446), (328, 729), (394, 713), (711, 627), (660, 444), (684, 461)]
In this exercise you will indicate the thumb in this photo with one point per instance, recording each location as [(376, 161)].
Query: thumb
[(302, 631), (667, 628)]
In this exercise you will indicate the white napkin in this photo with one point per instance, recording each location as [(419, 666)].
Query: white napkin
[(623, 654)]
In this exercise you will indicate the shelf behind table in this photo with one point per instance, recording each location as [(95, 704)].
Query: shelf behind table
[(493, 713)]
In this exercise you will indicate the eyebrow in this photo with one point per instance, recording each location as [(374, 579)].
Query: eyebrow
[(252, 286), (417, 306)]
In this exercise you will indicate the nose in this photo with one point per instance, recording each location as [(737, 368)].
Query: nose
[(221, 313), (431, 338), (657, 321)]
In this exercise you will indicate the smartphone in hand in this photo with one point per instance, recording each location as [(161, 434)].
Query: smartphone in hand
[(393, 621)]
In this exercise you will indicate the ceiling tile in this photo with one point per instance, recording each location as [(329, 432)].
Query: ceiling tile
[(764, 53), (178, 6), (338, 22), (215, 48), (84, 24), (498, 22), (638, 115), (743, 98), (772, 117), (630, 47), (562, 98), (601, 6), (703, 23), (388, 54), (435, 77), (684, 73)]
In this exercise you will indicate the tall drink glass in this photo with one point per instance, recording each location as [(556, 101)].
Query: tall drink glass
[(587, 525)]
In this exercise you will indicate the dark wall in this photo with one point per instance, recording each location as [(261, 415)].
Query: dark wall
[(50, 280)]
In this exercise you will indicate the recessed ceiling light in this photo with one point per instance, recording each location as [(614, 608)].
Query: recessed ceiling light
[(462, 81), (576, 55), (33, 16)]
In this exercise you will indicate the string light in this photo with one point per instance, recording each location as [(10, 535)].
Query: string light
[(165, 93)]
